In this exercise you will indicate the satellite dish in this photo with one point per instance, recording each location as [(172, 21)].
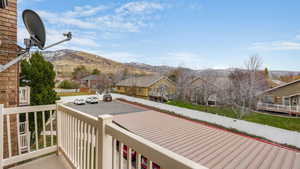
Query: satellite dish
[(35, 27)]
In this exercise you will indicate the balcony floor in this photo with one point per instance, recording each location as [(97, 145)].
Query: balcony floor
[(48, 162)]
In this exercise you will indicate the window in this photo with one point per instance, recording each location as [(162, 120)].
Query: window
[(286, 101), (268, 99)]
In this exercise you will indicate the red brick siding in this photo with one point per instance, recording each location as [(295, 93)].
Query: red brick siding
[(9, 81)]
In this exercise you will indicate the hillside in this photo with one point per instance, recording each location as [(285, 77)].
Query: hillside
[(65, 61)]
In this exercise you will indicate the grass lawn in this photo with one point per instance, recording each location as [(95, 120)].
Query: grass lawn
[(275, 121), (75, 93)]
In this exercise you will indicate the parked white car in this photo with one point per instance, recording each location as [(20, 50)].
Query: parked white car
[(79, 101), (91, 100)]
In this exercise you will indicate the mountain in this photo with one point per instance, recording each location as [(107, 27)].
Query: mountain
[(65, 61), (219, 72), (151, 68)]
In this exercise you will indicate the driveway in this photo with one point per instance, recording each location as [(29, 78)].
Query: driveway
[(113, 108)]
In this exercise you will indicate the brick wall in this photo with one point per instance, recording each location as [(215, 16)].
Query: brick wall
[(9, 81)]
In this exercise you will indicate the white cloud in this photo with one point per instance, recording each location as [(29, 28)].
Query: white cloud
[(139, 7), (61, 19), (187, 59), (83, 11), (276, 45), (130, 17)]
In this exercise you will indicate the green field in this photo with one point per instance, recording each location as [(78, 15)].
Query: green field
[(271, 120)]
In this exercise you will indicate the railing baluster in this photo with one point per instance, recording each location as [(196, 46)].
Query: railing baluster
[(114, 153), (18, 134), (97, 147), (88, 146), (68, 135), (77, 130), (73, 140), (138, 160), (36, 131), (27, 131), (121, 155), (149, 164), (129, 165), (51, 127), (62, 126), (84, 145), (44, 128), (8, 134), (93, 148), (81, 144)]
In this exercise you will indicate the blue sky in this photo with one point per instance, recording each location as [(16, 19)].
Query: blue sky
[(198, 34)]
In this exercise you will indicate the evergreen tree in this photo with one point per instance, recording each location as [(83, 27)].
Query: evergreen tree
[(39, 74), (96, 72)]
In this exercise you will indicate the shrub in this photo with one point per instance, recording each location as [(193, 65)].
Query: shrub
[(66, 84)]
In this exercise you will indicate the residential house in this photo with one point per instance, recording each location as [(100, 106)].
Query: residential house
[(154, 87), (96, 82), (284, 98), (211, 91)]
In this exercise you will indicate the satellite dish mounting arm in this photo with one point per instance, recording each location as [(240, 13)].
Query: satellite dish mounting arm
[(68, 38), (14, 61)]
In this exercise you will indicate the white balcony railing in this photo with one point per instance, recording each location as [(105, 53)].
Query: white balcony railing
[(289, 109), (28, 146), (87, 142)]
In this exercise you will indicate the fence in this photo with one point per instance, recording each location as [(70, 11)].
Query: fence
[(67, 90)]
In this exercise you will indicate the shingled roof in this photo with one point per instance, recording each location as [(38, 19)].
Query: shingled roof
[(143, 81)]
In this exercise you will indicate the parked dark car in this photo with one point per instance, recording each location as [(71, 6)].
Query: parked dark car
[(107, 97), (91, 100)]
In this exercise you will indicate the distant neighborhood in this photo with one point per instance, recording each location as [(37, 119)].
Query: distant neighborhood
[(243, 89)]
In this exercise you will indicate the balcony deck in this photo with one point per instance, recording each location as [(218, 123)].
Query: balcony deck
[(279, 108), (48, 162)]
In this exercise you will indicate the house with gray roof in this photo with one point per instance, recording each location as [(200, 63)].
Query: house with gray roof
[(154, 87)]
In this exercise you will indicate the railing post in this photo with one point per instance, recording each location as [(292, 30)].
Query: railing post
[(104, 141), (1, 134), (58, 129)]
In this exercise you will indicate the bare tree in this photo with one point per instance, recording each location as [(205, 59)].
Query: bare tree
[(204, 87), (244, 86), (182, 80)]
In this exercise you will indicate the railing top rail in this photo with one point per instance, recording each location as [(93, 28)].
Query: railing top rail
[(78, 114), (164, 157), (17, 110)]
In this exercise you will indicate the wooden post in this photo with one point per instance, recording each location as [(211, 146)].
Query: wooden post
[(1, 134), (104, 141), (58, 128)]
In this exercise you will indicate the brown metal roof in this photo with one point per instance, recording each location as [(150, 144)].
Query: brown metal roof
[(210, 147)]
